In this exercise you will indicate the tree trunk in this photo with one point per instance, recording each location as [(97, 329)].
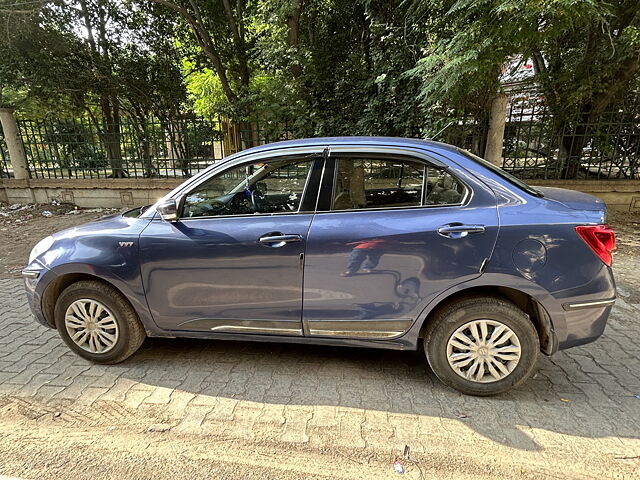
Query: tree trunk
[(571, 148), (247, 135), (495, 133), (144, 145), (293, 33), (203, 38), (17, 156), (174, 129), (145, 153), (111, 134)]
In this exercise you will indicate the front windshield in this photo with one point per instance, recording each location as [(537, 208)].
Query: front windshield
[(502, 174)]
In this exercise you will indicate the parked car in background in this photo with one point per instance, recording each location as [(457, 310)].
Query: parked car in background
[(358, 241)]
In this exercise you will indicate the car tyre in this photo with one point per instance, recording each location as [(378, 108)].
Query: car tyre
[(105, 325), (457, 357)]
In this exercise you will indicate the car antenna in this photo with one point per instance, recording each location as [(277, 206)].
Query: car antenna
[(433, 137)]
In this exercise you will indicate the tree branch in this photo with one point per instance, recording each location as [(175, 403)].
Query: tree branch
[(232, 22), (293, 32), (206, 44), (626, 72), (19, 12), (238, 39), (87, 24), (538, 62), (293, 23)]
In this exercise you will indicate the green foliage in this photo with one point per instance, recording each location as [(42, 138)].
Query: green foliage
[(320, 67), (50, 67), (585, 52)]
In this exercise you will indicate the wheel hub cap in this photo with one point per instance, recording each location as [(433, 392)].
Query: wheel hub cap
[(91, 326), (483, 351)]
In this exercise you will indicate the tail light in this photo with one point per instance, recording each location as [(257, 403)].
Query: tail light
[(601, 239)]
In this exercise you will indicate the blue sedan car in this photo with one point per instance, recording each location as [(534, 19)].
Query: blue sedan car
[(359, 241)]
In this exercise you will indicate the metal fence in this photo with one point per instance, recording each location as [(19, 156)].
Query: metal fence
[(4, 157), (536, 144), (153, 148), (463, 130)]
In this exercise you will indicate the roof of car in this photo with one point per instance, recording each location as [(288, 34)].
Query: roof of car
[(388, 141)]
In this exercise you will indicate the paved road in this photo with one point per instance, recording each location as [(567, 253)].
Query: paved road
[(353, 409)]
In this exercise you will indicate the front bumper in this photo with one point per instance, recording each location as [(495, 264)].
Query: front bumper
[(32, 276)]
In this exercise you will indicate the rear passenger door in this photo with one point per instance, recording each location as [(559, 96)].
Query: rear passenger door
[(391, 232)]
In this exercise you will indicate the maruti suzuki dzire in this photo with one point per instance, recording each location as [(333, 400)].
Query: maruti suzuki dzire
[(358, 241)]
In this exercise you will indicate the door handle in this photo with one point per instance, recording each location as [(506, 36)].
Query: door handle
[(459, 230), (278, 240)]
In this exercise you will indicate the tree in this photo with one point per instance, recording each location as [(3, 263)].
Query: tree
[(340, 65), (220, 32), (80, 57), (586, 55)]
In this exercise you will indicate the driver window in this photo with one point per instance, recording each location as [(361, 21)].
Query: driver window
[(256, 188)]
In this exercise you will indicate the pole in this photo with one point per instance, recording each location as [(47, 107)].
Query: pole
[(13, 139)]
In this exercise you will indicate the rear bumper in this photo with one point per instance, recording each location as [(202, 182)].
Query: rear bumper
[(585, 316), (585, 325)]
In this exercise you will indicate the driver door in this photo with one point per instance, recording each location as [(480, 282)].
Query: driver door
[(233, 262)]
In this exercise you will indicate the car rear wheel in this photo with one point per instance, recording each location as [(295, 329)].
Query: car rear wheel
[(481, 345), (97, 322)]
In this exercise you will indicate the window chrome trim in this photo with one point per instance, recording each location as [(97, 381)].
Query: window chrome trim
[(387, 150), (248, 158), (229, 162), (422, 154), (244, 215), (378, 209)]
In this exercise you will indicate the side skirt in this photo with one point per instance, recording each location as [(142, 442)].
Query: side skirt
[(395, 344)]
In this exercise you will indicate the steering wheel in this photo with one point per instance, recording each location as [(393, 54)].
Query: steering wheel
[(208, 209), (257, 199)]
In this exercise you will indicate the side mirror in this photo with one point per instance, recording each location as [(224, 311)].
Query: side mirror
[(168, 210)]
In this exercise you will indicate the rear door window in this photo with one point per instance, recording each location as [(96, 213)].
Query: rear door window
[(365, 183)]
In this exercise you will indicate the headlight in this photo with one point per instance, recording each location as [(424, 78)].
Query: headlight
[(41, 247)]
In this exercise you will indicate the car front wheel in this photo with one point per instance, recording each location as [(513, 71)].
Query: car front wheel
[(481, 345), (97, 322)]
